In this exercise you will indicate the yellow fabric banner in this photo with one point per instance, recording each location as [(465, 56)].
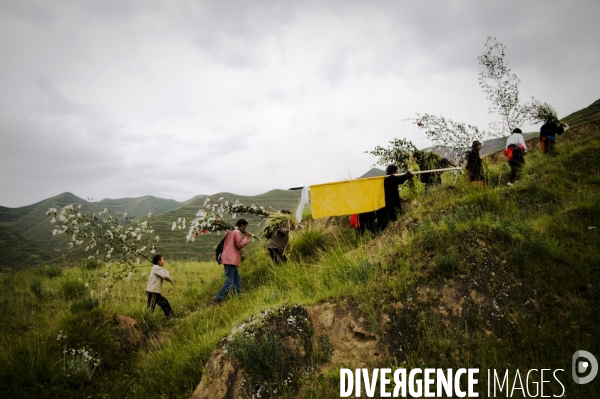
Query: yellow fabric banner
[(347, 197)]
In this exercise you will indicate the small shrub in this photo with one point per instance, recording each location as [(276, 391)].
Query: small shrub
[(308, 244), (84, 305), (259, 357), (326, 348), (359, 273), (50, 271), (36, 288), (428, 233), (81, 363), (445, 265), (451, 224), (466, 213), (73, 289), (90, 264)]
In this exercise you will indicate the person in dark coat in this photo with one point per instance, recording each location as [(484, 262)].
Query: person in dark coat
[(366, 222), (393, 207), (548, 133), (435, 178), (474, 163), (279, 240)]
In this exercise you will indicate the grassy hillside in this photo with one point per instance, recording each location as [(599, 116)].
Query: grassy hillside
[(18, 252), (492, 277), (27, 232), (589, 117)]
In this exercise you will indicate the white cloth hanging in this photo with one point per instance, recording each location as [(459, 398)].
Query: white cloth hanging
[(303, 203)]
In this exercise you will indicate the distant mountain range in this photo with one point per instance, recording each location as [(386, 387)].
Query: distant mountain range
[(141, 206), (26, 233)]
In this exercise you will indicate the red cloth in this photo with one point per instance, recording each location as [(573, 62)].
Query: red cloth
[(544, 140), (354, 221), (508, 152)]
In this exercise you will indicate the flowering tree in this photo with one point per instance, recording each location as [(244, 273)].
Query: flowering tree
[(398, 153), (502, 89), (447, 134), (542, 112), (213, 220), (121, 245)]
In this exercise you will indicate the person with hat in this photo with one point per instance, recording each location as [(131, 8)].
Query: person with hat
[(474, 163), (515, 154)]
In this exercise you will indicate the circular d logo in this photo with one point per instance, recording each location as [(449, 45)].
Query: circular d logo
[(581, 366)]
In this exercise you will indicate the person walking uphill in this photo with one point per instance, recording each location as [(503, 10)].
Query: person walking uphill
[(235, 240), (155, 279), (279, 240), (392, 197), (548, 133), (474, 163), (515, 154)]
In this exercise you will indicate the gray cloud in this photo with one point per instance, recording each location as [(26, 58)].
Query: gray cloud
[(121, 99)]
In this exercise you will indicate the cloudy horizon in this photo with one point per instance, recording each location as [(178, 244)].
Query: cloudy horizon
[(118, 99)]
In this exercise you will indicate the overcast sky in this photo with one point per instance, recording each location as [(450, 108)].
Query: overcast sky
[(117, 98)]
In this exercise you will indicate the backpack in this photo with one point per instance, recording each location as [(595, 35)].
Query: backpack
[(219, 249)]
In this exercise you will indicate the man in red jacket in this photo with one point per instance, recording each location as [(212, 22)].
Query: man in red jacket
[(231, 257)]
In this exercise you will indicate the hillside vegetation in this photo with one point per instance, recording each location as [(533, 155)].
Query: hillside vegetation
[(30, 226), (26, 240), (492, 277), (173, 243)]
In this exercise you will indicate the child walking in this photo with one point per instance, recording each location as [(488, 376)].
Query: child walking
[(157, 275)]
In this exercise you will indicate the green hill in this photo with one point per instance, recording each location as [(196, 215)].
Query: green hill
[(26, 232), (140, 207), (588, 117), (18, 252)]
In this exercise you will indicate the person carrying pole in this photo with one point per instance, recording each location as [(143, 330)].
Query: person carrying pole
[(392, 208), (234, 241)]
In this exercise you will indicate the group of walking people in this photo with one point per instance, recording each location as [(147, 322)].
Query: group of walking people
[(377, 221), (515, 151), (230, 257)]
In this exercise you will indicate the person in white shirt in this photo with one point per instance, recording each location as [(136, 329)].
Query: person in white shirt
[(157, 275), (515, 154)]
